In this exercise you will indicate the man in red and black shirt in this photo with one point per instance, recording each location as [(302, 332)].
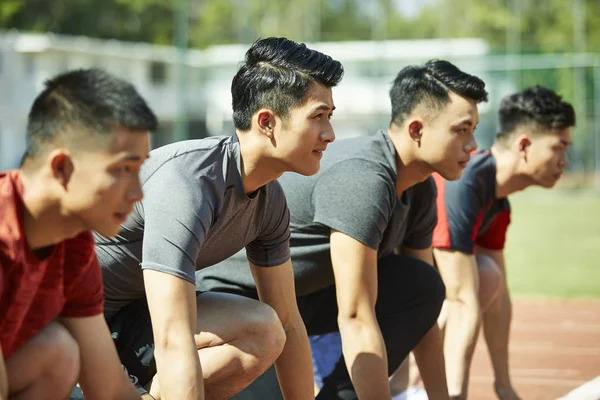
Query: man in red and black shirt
[(87, 136), (473, 217)]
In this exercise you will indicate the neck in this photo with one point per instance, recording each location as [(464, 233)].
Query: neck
[(258, 169), (508, 178), (43, 219), (411, 170)]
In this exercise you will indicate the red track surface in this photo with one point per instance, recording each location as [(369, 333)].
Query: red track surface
[(555, 347)]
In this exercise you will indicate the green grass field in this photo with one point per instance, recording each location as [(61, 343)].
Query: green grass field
[(553, 244)]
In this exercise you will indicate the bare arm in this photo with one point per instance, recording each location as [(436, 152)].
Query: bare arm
[(276, 288), (459, 272), (172, 305), (101, 375), (3, 378), (355, 271), (429, 353), (496, 329)]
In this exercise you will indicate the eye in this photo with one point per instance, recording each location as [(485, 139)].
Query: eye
[(329, 116), (123, 169)]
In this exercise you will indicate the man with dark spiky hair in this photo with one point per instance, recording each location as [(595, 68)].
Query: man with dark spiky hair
[(473, 217), (361, 234), (204, 201), (87, 136)]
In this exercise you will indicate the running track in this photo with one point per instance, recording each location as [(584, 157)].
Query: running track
[(555, 348)]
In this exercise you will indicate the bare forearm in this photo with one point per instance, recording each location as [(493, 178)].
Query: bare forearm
[(366, 359), (179, 372), (127, 390), (430, 359), (124, 388), (462, 326), (3, 379), (294, 365), (496, 330)]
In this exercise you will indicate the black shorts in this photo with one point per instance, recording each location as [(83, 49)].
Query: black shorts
[(131, 330)]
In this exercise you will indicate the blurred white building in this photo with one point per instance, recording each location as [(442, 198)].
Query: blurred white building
[(27, 60)]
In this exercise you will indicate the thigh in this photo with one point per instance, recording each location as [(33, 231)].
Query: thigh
[(30, 361), (491, 279), (404, 283), (409, 301), (224, 317), (488, 269)]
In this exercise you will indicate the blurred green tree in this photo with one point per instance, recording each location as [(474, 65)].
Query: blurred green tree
[(537, 25)]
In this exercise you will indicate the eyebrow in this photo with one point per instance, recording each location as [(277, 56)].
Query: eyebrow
[(464, 122), (565, 142), (132, 157), (323, 107)]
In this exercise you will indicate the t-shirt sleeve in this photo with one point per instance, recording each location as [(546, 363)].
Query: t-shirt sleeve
[(423, 216), (495, 236), (460, 206), (84, 295), (272, 246), (177, 216), (355, 197)]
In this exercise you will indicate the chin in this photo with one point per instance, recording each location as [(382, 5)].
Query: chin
[(549, 184), (451, 175), (306, 171), (108, 231)]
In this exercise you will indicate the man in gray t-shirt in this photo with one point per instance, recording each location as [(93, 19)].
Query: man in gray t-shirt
[(204, 200), (361, 235), (340, 197), (195, 213)]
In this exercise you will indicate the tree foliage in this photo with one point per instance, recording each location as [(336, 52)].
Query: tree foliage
[(537, 25)]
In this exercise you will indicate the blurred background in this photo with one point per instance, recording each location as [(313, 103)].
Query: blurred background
[(182, 55)]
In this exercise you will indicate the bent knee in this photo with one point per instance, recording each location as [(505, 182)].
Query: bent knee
[(269, 330), (62, 354), (433, 291), (435, 288)]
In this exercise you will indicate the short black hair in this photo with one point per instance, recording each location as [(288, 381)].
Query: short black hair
[(431, 83), (538, 105), (87, 102), (276, 74)]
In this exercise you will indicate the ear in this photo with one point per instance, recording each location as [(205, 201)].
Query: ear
[(265, 120), (414, 130), (61, 166), (522, 142)]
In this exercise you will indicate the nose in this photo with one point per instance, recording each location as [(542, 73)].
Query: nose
[(328, 135), (564, 161), (471, 144), (135, 192)]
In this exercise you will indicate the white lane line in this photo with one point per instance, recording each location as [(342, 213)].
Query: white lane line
[(545, 372), (554, 349), (587, 391), (535, 381), (564, 327)]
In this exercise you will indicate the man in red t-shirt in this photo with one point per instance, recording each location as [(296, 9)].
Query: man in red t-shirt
[(473, 216), (87, 137)]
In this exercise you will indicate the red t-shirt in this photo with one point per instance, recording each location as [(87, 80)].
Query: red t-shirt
[(67, 283), (469, 213)]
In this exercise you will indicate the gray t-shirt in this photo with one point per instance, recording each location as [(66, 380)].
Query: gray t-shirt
[(354, 193), (194, 214)]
